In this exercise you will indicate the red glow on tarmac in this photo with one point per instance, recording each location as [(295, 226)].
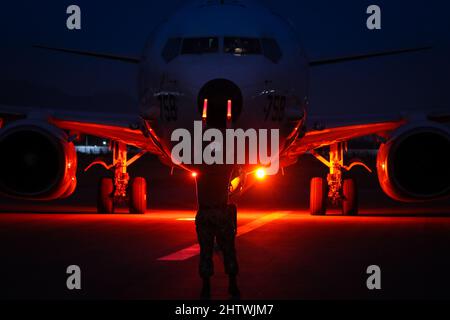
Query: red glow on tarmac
[(160, 249), (49, 214), (37, 211)]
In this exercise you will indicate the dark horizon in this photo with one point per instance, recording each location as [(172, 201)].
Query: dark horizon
[(414, 81)]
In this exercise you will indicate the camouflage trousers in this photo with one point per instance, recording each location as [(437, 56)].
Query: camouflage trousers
[(217, 224)]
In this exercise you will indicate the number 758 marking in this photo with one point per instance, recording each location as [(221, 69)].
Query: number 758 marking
[(275, 108)]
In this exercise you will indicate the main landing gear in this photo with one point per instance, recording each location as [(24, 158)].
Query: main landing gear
[(118, 190), (335, 190)]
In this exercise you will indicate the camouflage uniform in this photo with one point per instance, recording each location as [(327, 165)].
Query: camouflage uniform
[(216, 223), (215, 220)]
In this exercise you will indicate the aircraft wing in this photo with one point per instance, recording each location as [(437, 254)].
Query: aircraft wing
[(323, 133), (119, 127)]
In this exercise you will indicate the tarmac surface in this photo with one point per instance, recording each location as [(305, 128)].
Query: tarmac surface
[(283, 254)]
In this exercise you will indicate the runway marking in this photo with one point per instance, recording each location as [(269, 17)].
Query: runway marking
[(194, 250)]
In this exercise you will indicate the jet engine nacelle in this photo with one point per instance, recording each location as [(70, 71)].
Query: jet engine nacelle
[(413, 165), (37, 161)]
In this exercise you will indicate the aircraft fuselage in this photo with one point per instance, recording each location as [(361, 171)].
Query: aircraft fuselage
[(249, 56)]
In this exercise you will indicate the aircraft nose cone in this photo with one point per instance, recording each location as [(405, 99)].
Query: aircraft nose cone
[(219, 101)]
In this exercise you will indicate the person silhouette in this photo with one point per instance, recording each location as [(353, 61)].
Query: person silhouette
[(216, 222)]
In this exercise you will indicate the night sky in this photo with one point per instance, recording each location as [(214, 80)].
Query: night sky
[(327, 28)]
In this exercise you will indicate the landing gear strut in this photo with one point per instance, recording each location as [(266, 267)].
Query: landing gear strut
[(118, 191), (336, 190)]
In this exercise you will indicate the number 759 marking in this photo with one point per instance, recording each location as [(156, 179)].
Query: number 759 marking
[(168, 107)]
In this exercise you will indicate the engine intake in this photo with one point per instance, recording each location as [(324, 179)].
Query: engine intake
[(37, 162), (413, 165)]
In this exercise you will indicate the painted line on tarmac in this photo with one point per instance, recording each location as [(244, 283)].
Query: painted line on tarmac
[(194, 250)]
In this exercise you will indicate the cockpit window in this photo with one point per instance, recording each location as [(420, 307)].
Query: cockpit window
[(238, 46), (271, 49), (200, 45), (171, 49), (242, 46)]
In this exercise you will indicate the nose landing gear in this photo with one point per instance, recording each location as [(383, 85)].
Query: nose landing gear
[(118, 191), (336, 190)]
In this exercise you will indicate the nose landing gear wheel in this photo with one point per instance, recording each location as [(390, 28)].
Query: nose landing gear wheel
[(105, 197), (138, 196), (318, 196), (350, 198)]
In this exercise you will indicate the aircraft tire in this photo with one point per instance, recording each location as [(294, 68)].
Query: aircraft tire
[(105, 200), (318, 196), (138, 196), (350, 198)]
